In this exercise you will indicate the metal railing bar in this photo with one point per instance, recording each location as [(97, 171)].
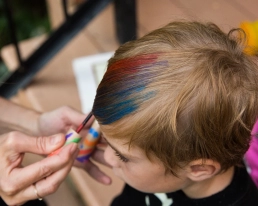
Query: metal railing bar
[(12, 30), (56, 41), (125, 17), (65, 10)]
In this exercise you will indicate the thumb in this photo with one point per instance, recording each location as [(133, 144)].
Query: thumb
[(41, 145)]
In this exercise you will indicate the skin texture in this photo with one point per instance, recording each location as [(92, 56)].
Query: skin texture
[(132, 171), (39, 134), (198, 179), (16, 181)]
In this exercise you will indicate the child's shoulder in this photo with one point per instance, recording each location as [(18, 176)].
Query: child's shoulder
[(242, 189), (241, 192)]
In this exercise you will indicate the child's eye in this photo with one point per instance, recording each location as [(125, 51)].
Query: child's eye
[(121, 157)]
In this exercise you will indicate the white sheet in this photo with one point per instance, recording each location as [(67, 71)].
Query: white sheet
[(88, 72)]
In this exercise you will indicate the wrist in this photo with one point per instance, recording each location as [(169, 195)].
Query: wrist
[(32, 125), (27, 123), (18, 118)]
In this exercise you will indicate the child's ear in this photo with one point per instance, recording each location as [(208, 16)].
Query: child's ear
[(199, 170)]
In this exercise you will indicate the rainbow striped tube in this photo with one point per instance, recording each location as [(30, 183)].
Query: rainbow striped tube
[(88, 144), (71, 136)]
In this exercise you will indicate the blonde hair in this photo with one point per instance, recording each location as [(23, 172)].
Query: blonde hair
[(182, 92)]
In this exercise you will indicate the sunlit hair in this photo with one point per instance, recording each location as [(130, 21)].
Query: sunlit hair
[(182, 92)]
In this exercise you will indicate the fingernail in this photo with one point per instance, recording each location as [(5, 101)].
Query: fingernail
[(55, 139), (106, 180)]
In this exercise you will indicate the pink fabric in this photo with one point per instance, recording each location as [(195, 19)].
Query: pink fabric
[(251, 156)]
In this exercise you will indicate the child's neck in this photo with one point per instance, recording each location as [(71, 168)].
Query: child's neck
[(210, 186)]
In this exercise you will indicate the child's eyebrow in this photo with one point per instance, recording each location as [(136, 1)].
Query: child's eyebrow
[(112, 146), (126, 156)]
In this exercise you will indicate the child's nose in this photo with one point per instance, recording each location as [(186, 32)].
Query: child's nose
[(110, 157)]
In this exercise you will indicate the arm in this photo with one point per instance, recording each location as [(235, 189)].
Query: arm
[(16, 118), (61, 120)]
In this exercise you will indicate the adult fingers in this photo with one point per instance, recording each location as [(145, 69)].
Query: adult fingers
[(44, 186), (38, 145), (51, 183), (23, 177), (94, 171), (98, 156), (74, 117)]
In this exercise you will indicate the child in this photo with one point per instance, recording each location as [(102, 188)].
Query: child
[(176, 108)]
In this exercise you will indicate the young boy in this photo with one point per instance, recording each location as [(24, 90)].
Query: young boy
[(176, 108)]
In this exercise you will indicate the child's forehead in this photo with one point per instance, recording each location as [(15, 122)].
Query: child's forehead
[(122, 146)]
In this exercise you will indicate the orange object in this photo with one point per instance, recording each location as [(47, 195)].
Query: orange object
[(251, 30), (71, 136), (88, 144)]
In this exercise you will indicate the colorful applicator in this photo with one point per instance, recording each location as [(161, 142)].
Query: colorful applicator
[(88, 144)]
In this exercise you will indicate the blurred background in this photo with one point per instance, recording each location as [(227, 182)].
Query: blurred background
[(30, 19), (40, 40)]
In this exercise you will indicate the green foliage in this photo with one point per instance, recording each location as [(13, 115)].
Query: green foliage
[(4, 72), (30, 19)]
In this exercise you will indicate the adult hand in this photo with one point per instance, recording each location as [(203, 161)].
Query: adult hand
[(61, 120), (18, 184)]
